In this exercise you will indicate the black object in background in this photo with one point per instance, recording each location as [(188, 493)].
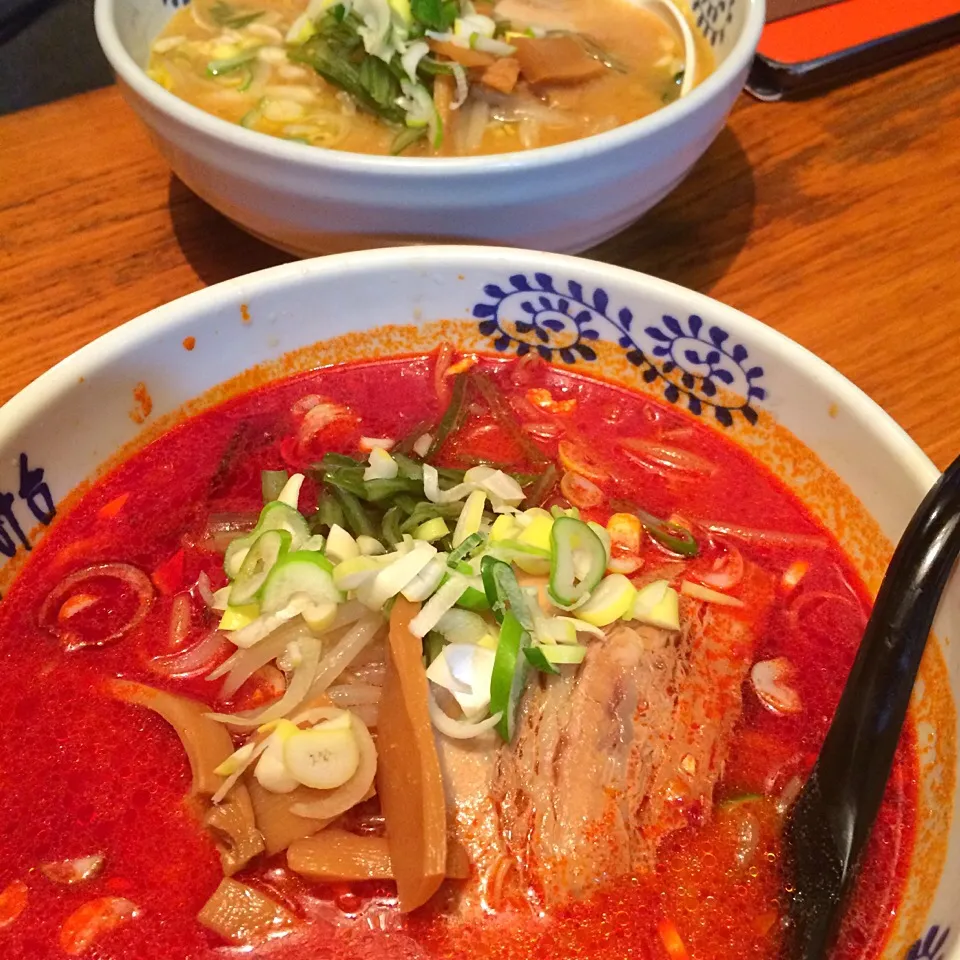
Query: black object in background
[(48, 50)]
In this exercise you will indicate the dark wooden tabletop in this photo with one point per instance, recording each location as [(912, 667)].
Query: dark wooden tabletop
[(833, 219)]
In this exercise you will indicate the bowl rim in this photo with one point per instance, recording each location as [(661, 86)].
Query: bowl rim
[(418, 168), (30, 402)]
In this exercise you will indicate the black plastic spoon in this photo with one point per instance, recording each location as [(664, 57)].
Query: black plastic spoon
[(831, 819)]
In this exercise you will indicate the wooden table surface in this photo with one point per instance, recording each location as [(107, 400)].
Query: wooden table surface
[(834, 219)]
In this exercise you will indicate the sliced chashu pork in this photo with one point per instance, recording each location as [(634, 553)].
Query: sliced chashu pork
[(612, 757)]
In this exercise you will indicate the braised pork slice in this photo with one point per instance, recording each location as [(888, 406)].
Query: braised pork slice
[(613, 756)]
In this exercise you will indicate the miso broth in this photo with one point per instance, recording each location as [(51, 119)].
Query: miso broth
[(435, 77)]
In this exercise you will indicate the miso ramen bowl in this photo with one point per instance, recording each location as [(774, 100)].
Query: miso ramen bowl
[(839, 453), (312, 200)]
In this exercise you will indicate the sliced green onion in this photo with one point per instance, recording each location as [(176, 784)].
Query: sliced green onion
[(503, 592), (612, 599), (263, 554), (556, 653), (380, 466), (536, 658), (462, 626), (352, 573), (474, 599), (519, 548), (431, 530), (471, 516), (218, 68), (272, 483), (427, 580), (274, 516), (509, 674), (445, 598), (303, 572), (671, 535), (396, 576), (466, 549), (674, 537), (573, 544), (341, 546), (657, 604)]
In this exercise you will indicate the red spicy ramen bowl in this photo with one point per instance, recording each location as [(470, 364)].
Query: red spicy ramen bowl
[(448, 602)]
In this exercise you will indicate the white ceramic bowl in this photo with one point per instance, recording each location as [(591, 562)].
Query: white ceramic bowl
[(865, 480), (310, 200)]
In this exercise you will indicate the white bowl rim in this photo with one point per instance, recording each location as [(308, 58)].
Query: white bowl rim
[(417, 168), (31, 401)]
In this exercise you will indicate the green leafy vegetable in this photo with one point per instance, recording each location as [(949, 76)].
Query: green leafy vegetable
[(435, 14), (357, 520), (225, 15), (542, 486), (390, 526), (379, 82), (329, 512), (452, 416), (408, 468), (336, 53), (502, 412)]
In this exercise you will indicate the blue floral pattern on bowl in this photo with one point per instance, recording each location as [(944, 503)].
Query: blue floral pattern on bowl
[(695, 359), (931, 946)]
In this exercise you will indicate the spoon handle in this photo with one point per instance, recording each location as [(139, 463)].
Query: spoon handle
[(848, 780)]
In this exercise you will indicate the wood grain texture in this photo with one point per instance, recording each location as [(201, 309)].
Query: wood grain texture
[(832, 219)]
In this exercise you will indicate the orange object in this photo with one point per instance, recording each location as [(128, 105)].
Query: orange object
[(543, 398), (12, 901), (168, 577), (671, 940), (465, 56), (502, 75), (74, 604), (463, 364), (93, 918), (555, 60), (836, 27), (408, 774), (109, 510), (443, 88), (577, 459)]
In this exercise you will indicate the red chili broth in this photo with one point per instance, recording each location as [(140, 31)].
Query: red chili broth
[(81, 773)]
